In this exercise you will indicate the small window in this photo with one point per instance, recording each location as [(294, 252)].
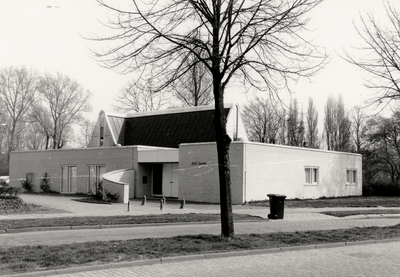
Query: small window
[(351, 176), (101, 136), (312, 175)]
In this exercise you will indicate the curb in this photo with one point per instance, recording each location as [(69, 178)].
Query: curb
[(177, 259)]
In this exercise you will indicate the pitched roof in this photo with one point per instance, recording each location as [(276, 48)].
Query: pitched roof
[(169, 129)]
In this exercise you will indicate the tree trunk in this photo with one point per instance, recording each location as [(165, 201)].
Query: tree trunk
[(223, 143)]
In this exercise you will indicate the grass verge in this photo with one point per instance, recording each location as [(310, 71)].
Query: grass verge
[(354, 201), (361, 212), (116, 220), (36, 258)]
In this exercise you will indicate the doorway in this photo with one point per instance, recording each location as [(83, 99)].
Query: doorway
[(165, 179)]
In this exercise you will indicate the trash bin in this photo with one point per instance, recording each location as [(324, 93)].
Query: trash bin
[(276, 205)]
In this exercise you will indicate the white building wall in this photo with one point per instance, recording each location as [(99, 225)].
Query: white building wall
[(281, 169), (198, 172)]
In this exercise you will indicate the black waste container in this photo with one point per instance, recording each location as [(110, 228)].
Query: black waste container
[(276, 205)]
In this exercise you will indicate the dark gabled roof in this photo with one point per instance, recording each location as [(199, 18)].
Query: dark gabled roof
[(171, 129)]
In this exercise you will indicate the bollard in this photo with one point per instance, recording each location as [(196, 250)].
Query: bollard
[(182, 203), (129, 206), (144, 200), (164, 201), (161, 204)]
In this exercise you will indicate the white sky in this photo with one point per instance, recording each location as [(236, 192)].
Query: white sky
[(48, 39)]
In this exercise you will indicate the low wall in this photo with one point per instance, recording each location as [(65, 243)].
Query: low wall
[(118, 182)]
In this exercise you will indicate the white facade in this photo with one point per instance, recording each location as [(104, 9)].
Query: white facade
[(260, 169)]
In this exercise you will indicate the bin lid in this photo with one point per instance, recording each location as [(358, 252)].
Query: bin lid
[(276, 195)]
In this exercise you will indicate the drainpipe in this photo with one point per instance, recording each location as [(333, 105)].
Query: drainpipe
[(237, 121)]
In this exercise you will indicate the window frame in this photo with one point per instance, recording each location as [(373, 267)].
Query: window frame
[(98, 176), (351, 176), (313, 175)]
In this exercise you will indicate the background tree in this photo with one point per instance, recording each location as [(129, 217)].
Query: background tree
[(337, 125), (195, 87), (18, 88), (384, 152), (65, 100), (86, 131), (258, 42), (263, 120), (359, 129), (312, 137), (295, 125), (380, 54), (139, 97)]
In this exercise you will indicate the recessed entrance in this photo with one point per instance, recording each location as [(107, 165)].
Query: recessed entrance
[(165, 179)]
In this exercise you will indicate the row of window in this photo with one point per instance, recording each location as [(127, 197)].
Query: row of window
[(312, 175), (68, 181)]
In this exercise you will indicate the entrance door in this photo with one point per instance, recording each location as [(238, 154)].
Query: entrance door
[(68, 182), (157, 179), (170, 180)]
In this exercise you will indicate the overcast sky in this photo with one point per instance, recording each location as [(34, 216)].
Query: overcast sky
[(46, 35)]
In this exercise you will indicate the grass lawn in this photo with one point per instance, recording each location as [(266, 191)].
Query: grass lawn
[(115, 220), (35, 258), (361, 212), (356, 201)]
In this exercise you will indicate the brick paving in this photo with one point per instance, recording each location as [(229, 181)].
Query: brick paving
[(380, 259)]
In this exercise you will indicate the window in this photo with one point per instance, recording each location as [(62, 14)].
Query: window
[(68, 181), (311, 174), (95, 177), (351, 176), (101, 136)]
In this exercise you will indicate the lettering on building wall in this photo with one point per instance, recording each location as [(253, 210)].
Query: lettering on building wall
[(198, 163)]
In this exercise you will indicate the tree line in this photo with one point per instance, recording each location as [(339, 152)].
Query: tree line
[(39, 111)]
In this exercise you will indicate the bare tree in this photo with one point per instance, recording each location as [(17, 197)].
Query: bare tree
[(258, 42), (295, 125), (18, 88), (337, 125), (359, 128), (312, 137), (263, 120), (380, 57), (139, 97), (65, 100), (195, 87), (384, 150), (87, 128), (41, 117)]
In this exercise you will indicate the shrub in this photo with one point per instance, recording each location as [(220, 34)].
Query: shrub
[(27, 182), (45, 183), (380, 189), (104, 194)]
